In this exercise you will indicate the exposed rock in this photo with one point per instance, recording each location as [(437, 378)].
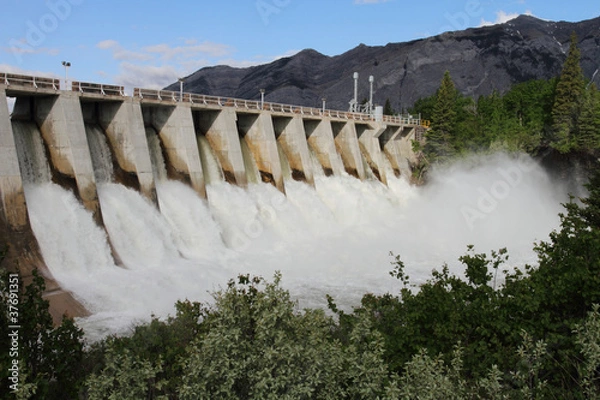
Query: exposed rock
[(479, 59)]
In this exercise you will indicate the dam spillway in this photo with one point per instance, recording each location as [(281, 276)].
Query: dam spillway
[(328, 234), (92, 137)]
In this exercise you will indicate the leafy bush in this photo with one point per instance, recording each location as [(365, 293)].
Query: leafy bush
[(258, 347), (49, 357)]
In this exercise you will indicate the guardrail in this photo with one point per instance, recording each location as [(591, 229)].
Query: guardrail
[(30, 81), (98, 88), (154, 94), (174, 97), (406, 120)]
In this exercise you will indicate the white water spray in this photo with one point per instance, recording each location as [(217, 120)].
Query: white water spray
[(100, 153), (32, 154), (334, 238), (210, 165)]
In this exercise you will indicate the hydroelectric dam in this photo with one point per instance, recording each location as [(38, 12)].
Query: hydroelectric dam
[(93, 133)]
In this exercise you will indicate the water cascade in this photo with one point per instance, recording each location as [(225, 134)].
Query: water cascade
[(213, 172), (334, 238), (32, 154), (159, 168), (100, 153)]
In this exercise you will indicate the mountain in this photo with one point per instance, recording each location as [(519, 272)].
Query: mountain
[(479, 60)]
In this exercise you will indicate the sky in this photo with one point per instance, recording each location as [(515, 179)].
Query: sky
[(150, 43)]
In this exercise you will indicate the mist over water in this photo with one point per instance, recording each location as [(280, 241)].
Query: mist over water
[(333, 239)]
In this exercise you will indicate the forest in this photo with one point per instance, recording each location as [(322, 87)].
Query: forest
[(499, 332), (560, 115)]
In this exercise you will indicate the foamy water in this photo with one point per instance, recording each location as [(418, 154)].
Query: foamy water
[(333, 238)]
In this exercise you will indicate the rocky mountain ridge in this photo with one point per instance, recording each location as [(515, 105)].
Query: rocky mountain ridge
[(480, 60)]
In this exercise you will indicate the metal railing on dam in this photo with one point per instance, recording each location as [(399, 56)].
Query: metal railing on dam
[(258, 105), (98, 88), (25, 82), (29, 82)]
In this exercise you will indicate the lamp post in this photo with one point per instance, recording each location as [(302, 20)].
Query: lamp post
[(355, 92), (66, 64), (371, 80), (180, 89), (262, 99), (324, 100)]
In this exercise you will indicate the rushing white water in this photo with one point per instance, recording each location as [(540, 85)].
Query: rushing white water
[(32, 155), (210, 166), (159, 168), (100, 153), (334, 238)]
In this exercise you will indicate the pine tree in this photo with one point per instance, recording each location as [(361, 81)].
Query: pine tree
[(387, 109), (439, 138), (567, 101), (589, 120)]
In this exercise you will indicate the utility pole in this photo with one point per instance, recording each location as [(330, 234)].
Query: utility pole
[(66, 64), (371, 80), (180, 89)]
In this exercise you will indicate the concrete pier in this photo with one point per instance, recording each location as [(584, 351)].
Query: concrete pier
[(23, 252), (370, 148), (258, 132), (320, 138), (346, 142), (124, 126), (175, 127), (290, 134), (404, 142), (391, 150), (60, 120), (13, 209), (220, 129)]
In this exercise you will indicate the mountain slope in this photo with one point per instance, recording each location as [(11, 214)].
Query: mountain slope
[(479, 59)]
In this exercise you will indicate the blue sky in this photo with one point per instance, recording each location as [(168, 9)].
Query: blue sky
[(150, 43)]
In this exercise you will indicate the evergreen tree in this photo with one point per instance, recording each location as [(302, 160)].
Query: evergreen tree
[(589, 121), (439, 138), (387, 109), (567, 103)]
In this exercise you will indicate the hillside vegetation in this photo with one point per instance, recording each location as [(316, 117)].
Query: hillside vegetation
[(559, 115)]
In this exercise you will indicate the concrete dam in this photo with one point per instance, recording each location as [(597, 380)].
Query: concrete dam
[(94, 134)]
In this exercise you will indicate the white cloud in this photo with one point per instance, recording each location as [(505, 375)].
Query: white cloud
[(165, 52), (122, 54), (158, 65), (11, 69), (22, 47), (502, 17), (146, 76), (107, 44), (190, 50)]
